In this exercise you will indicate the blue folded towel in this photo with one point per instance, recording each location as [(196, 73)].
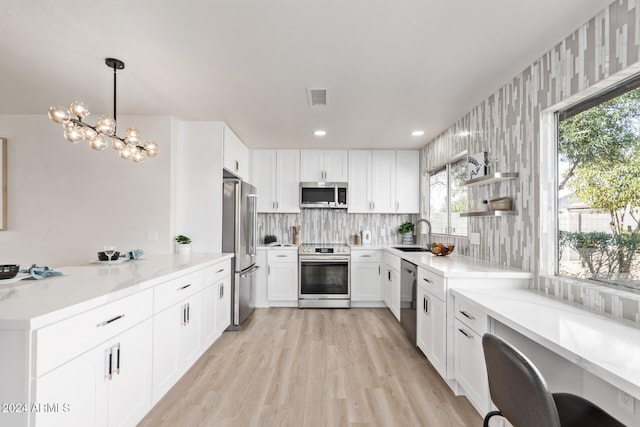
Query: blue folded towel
[(38, 272), (133, 254)]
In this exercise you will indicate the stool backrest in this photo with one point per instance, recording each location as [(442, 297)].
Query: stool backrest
[(517, 388)]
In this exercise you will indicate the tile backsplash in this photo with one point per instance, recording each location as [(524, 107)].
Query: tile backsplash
[(332, 226)]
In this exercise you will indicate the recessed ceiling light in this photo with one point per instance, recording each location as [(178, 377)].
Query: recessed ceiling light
[(320, 132), (417, 133)]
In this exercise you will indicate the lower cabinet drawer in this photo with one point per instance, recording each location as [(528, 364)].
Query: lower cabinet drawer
[(71, 337), (216, 272), (471, 315), (433, 283), (169, 293)]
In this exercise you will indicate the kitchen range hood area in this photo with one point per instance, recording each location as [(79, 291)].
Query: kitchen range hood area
[(297, 302)]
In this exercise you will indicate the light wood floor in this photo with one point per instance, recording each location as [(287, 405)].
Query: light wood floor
[(313, 367)]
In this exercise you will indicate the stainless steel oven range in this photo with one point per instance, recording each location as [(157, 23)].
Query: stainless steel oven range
[(324, 276)]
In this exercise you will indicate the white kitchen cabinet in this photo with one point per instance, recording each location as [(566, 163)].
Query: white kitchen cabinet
[(366, 274), (176, 330), (391, 280), (324, 165), (223, 305), (277, 178), (407, 189), (470, 370), (384, 181), (235, 155), (110, 385), (282, 277), (432, 317), (216, 304), (470, 324), (372, 181)]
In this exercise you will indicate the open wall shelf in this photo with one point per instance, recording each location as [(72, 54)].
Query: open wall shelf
[(490, 179), (489, 213)]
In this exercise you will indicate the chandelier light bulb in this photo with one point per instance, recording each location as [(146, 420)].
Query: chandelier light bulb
[(79, 110), (74, 135), (128, 151), (98, 143), (58, 114), (151, 148), (132, 136), (106, 125), (138, 156), (117, 144)]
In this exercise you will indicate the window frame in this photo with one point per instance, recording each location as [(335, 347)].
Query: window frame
[(446, 166)]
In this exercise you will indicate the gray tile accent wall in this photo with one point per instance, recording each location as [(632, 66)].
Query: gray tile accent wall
[(331, 226), (508, 125)]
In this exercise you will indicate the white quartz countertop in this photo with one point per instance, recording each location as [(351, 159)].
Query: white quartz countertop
[(609, 349), (32, 304), (461, 266)]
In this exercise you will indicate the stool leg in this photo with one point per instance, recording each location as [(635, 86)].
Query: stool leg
[(489, 415)]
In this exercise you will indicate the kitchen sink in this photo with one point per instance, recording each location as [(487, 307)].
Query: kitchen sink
[(411, 249)]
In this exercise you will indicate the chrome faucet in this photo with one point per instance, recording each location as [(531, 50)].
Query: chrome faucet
[(417, 234)]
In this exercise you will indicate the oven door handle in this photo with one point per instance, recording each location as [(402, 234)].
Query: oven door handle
[(323, 258)]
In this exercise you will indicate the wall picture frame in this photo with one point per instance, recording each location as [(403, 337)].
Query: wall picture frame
[(477, 165), (3, 184)]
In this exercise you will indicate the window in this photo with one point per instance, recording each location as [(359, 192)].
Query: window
[(448, 198), (598, 218)]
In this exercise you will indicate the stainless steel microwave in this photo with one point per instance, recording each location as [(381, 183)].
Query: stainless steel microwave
[(331, 195)]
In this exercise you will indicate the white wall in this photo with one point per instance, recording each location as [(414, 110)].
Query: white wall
[(199, 184), (66, 201)]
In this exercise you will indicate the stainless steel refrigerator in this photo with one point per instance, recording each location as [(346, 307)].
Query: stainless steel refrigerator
[(239, 236)]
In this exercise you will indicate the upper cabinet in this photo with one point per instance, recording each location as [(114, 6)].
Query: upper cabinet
[(407, 181), (276, 175), (383, 181), (323, 165), (236, 154)]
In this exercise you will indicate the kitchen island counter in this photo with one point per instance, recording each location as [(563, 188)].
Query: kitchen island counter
[(31, 304)]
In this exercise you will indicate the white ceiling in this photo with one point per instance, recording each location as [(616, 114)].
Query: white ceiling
[(390, 67)]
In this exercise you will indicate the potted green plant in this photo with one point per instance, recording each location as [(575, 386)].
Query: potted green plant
[(406, 231), (183, 244)]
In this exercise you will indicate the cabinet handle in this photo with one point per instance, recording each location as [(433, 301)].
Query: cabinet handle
[(268, 270), (467, 315), (273, 205), (425, 304), (220, 271), (106, 322), (389, 272), (373, 206), (379, 270), (117, 370), (221, 292), (184, 287), (281, 256), (427, 280), (463, 332), (277, 205), (184, 315), (237, 165), (397, 206), (188, 313), (110, 372)]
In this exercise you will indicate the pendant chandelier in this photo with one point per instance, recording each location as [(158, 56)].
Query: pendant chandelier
[(98, 136)]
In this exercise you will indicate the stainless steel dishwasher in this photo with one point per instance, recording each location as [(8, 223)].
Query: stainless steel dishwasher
[(408, 283)]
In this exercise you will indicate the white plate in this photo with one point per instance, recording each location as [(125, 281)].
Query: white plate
[(117, 261)]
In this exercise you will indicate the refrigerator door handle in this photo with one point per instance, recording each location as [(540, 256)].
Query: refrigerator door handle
[(254, 214), (250, 272)]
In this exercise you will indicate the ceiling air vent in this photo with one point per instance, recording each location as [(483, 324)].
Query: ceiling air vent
[(316, 96)]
